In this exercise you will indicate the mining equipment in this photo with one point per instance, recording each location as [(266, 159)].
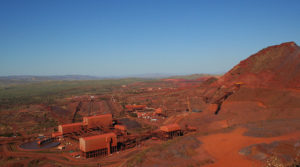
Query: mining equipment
[(91, 104), (78, 107)]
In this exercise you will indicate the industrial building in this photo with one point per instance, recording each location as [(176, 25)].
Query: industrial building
[(100, 145), (92, 122), (98, 136), (170, 131), (98, 121), (70, 128)]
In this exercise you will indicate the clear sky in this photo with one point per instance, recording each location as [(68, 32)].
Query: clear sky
[(125, 37)]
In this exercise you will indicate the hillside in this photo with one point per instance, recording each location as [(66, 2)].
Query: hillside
[(261, 87), (275, 66)]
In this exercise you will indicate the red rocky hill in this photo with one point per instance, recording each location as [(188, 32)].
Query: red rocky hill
[(275, 66), (264, 86)]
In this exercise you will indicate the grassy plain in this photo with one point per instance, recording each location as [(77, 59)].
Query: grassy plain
[(47, 92)]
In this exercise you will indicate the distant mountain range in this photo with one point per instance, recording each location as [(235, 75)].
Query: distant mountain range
[(89, 77)]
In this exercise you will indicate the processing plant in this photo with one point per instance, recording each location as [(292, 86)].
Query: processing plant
[(101, 135)]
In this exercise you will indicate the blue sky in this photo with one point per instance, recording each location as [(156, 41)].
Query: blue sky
[(124, 37)]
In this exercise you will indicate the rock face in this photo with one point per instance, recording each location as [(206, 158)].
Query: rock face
[(265, 85), (273, 67)]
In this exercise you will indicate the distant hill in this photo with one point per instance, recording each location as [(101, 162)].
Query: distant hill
[(149, 75), (192, 76)]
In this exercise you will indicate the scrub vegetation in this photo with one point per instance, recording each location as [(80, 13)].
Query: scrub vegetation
[(47, 92)]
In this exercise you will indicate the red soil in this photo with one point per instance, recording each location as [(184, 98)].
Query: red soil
[(225, 147)]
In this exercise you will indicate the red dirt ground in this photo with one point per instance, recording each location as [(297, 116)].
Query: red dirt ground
[(225, 147)]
